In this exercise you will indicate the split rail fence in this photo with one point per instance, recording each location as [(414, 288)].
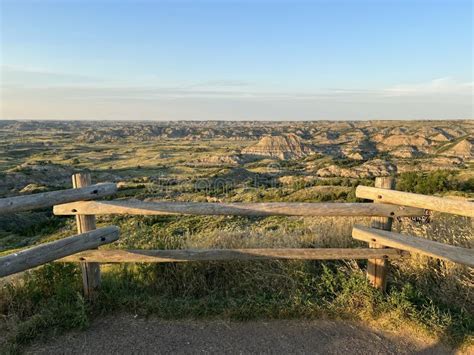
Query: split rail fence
[(383, 244)]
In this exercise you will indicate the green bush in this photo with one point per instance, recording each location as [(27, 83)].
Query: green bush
[(429, 183)]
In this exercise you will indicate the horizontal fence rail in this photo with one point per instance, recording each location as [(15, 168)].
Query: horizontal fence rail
[(163, 256), (132, 207), (462, 208), (44, 253), (82, 248), (415, 244), (48, 199)]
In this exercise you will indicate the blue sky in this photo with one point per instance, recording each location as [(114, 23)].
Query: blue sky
[(235, 60)]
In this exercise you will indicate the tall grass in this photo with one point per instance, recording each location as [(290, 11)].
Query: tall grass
[(428, 295)]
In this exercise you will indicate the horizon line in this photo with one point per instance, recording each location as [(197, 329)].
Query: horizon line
[(235, 121)]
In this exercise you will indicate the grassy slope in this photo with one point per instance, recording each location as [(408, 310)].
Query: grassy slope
[(427, 295)]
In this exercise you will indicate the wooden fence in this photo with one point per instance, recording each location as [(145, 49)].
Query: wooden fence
[(83, 248)]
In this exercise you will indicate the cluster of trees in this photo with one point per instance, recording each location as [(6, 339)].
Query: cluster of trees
[(428, 183)]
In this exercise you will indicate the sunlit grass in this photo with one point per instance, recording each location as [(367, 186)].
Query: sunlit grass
[(432, 297)]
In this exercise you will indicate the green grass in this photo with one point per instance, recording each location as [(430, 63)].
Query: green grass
[(428, 296), (49, 300)]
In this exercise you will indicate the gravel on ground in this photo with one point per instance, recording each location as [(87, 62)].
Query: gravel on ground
[(127, 334)]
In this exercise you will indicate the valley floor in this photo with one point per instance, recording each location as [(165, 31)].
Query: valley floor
[(126, 334)]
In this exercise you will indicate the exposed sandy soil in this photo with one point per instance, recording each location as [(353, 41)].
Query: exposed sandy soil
[(125, 334), (287, 146)]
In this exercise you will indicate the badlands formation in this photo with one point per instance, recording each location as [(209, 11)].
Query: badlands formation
[(33, 151)]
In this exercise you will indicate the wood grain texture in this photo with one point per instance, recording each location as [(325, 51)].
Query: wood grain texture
[(462, 208), (85, 223), (164, 256), (48, 199), (47, 252), (377, 269), (415, 245), (134, 207)]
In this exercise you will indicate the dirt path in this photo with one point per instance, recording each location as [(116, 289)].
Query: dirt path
[(125, 335)]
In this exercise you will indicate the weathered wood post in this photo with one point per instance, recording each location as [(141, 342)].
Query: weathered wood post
[(86, 223), (377, 269)]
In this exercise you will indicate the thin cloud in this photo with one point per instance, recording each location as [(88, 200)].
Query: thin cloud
[(56, 95), (222, 83), (25, 77), (446, 85)]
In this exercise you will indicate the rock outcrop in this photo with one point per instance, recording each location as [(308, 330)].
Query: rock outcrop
[(441, 137), (232, 160), (406, 152), (372, 168), (464, 149), (404, 140), (288, 146)]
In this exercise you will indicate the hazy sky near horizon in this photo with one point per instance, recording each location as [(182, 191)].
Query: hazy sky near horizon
[(236, 60)]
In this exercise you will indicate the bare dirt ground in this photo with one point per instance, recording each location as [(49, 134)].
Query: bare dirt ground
[(126, 334)]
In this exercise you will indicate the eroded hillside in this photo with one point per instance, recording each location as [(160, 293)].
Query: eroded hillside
[(35, 151)]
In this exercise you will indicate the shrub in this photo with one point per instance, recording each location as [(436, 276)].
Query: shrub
[(433, 182)]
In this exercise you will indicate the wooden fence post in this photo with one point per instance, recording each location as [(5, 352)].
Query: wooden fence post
[(86, 223), (377, 269)]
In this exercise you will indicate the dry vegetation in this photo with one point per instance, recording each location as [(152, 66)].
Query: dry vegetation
[(199, 162)]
